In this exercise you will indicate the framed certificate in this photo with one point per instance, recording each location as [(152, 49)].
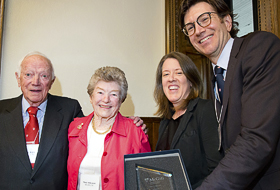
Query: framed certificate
[(161, 170)]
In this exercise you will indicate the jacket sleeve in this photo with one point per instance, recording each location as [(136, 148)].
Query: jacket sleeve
[(256, 144), (145, 145)]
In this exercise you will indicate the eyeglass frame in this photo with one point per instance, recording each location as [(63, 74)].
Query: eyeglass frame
[(193, 23)]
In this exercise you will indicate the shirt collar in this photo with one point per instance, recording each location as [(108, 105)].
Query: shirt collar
[(224, 57), (26, 105)]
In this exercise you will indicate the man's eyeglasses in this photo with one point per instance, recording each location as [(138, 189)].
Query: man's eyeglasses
[(203, 20)]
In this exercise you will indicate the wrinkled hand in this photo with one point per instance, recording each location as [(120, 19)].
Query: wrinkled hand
[(139, 122)]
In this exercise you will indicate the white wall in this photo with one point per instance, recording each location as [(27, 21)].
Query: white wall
[(81, 36)]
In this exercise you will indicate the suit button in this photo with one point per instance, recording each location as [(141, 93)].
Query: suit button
[(106, 180), (104, 153), (31, 181)]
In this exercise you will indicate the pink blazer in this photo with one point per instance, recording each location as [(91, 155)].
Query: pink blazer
[(124, 138)]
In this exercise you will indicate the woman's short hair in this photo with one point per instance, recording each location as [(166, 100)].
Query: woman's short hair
[(220, 7), (165, 107), (109, 74)]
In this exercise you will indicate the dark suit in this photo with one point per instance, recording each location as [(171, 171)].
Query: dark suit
[(197, 139), (250, 120), (50, 170)]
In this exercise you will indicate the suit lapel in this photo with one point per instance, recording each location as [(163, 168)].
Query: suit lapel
[(184, 122), (230, 73), (81, 130), (163, 124), (52, 123), (15, 133)]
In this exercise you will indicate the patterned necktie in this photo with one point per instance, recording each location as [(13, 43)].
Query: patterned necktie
[(220, 81), (32, 127)]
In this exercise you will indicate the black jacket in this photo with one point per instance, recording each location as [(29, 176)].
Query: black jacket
[(50, 169), (197, 138)]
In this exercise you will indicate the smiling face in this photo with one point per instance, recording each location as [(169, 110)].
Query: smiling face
[(35, 79), (176, 86), (105, 99), (210, 40)]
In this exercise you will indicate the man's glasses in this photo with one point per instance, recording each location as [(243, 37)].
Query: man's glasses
[(203, 20)]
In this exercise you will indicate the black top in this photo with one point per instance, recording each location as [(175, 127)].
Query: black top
[(169, 132)]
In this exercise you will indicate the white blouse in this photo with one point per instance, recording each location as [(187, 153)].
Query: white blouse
[(91, 164)]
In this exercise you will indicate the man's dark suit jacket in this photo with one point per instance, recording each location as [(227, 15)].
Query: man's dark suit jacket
[(50, 170), (250, 120), (197, 138)]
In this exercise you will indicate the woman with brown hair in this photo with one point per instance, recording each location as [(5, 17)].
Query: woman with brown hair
[(188, 122)]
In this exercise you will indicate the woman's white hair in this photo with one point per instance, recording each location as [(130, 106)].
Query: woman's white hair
[(109, 74)]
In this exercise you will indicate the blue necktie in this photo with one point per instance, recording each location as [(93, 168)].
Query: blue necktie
[(220, 81)]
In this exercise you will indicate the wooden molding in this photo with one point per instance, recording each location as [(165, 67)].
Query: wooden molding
[(2, 6), (152, 124), (268, 16), (170, 23)]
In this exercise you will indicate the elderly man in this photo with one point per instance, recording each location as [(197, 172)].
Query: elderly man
[(25, 164), (246, 95), (34, 129)]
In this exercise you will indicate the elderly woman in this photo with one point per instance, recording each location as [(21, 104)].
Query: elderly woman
[(99, 141), (189, 123)]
